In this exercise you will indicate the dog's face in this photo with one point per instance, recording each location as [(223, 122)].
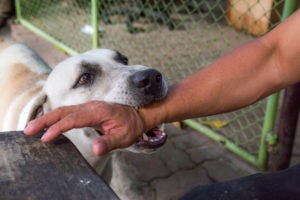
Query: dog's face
[(105, 75)]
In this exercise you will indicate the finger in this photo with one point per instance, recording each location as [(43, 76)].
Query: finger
[(107, 143), (47, 120), (79, 119)]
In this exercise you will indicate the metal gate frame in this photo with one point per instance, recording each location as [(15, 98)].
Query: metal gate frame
[(267, 136)]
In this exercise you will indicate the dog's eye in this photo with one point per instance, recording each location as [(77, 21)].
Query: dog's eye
[(85, 79)]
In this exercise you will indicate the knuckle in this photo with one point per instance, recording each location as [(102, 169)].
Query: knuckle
[(127, 140), (59, 111), (69, 122), (55, 129)]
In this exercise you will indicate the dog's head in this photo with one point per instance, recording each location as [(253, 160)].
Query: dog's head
[(105, 75)]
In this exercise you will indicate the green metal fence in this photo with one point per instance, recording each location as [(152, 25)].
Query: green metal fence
[(177, 36)]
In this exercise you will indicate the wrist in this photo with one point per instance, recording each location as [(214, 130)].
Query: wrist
[(152, 115)]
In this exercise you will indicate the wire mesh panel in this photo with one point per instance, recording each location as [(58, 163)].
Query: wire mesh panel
[(64, 20), (180, 37), (177, 36)]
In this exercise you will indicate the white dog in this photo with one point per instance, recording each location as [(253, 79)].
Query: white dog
[(29, 88)]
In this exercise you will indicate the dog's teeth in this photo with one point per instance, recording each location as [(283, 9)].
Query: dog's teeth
[(145, 137)]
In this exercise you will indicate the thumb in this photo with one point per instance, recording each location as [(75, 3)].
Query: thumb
[(107, 143)]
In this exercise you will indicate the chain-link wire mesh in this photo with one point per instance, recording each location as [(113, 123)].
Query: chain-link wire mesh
[(177, 36), (61, 19)]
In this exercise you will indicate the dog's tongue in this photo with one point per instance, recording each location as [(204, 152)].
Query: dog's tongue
[(152, 139)]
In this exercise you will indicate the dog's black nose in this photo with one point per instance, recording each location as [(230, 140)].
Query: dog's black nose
[(150, 80)]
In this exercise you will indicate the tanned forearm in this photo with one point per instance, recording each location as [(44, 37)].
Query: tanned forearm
[(229, 83), (239, 78)]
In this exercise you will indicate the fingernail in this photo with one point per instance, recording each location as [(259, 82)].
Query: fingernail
[(99, 148), (44, 137), (27, 129)]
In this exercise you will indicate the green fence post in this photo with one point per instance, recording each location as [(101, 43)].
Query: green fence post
[(269, 121), (18, 9), (95, 23), (290, 6), (270, 116)]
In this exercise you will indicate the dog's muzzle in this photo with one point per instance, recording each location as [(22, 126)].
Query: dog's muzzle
[(151, 83), (152, 139)]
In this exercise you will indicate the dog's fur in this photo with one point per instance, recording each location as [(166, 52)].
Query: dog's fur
[(29, 87)]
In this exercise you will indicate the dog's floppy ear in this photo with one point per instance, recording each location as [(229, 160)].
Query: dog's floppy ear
[(121, 58), (36, 107)]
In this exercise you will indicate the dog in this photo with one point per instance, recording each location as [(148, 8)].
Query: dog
[(30, 88)]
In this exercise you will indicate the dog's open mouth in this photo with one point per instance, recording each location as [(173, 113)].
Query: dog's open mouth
[(152, 139)]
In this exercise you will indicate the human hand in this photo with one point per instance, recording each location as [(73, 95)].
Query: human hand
[(120, 125)]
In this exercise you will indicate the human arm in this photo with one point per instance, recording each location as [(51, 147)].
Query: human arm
[(240, 78), (237, 79)]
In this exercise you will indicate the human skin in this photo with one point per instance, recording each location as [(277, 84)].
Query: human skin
[(235, 80)]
